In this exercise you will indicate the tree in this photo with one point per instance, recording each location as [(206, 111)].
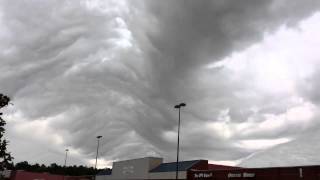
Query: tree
[(24, 165), (5, 156), (57, 169)]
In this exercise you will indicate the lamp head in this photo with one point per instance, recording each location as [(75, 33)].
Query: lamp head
[(182, 104), (99, 137)]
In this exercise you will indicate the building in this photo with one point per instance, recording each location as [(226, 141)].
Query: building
[(168, 170), (154, 168), (131, 169), (270, 173)]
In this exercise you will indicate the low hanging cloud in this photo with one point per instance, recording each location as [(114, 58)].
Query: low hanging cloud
[(76, 70)]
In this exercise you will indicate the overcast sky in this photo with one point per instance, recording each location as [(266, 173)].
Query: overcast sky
[(248, 71)]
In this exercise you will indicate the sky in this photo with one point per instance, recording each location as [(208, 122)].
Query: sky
[(248, 71)]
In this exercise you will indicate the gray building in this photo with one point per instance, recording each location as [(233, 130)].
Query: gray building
[(150, 168)]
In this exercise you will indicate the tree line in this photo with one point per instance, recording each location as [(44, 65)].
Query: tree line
[(56, 169)]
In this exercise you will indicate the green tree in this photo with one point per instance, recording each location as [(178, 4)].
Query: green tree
[(24, 165), (5, 156)]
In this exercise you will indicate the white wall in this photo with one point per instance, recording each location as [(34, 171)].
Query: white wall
[(132, 169), (103, 177)]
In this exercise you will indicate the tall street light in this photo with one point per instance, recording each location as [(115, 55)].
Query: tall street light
[(65, 159), (98, 138), (177, 164)]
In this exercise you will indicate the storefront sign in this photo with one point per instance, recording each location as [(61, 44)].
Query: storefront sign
[(249, 175), (239, 175), (234, 175), (128, 170), (203, 175)]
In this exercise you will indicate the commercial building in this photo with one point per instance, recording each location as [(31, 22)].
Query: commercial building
[(154, 168), (273, 173)]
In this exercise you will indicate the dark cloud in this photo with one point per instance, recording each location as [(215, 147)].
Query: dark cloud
[(189, 34), (76, 70)]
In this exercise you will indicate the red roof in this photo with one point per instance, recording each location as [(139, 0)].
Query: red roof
[(221, 167)]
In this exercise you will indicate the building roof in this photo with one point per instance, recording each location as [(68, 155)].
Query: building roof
[(168, 167), (221, 167), (105, 172), (130, 160)]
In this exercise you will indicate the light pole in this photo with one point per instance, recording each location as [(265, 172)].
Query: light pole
[(98, 138), (65, 159), (177, 164)]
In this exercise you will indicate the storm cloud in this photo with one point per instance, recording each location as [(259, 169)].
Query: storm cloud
[(75, 70)]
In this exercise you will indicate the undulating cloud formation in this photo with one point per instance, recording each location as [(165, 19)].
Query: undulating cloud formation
[(248, 71)]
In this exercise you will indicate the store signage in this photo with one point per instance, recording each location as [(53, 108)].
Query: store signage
[(249, 175), (239, 175), (203, 175), (234, 175), (127, 170)]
